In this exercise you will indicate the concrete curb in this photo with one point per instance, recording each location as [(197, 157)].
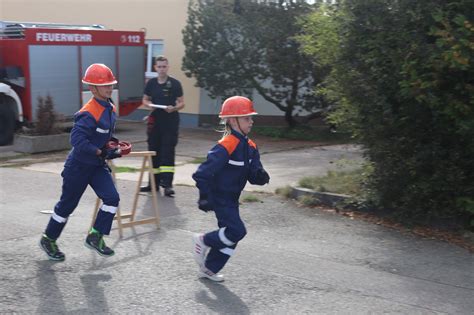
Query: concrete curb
[(323, 198)]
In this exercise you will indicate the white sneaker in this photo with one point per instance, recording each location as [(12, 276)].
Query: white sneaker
[(199, 249), (206, 273)]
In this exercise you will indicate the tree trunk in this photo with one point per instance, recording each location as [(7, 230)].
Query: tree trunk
[(290, 120)]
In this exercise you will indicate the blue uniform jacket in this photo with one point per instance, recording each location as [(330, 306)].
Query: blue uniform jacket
[(229, 165), (93, 126)]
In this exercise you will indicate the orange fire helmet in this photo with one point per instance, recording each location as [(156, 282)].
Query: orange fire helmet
[(237, 106), (99, 74)]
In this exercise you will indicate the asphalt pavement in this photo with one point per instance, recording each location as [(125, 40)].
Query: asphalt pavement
[(294, 259)]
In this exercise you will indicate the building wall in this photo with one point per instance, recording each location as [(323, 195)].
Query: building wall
[(162, 19)]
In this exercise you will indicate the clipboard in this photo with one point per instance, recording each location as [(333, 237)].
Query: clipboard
[(158, 106)]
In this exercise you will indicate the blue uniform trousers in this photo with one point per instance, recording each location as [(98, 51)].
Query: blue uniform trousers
[(76, 177), (231, 230)]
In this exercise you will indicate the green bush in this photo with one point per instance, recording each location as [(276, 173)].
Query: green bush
[(402, 76)]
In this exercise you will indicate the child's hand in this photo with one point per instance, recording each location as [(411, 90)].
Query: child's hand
[(204, 204), (262, 177), (110, 154)]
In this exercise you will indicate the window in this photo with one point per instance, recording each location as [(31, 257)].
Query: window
[(154, 48)]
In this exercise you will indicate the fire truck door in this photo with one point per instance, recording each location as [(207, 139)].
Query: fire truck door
[(54, 71)]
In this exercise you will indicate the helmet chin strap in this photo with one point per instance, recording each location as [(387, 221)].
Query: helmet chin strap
[(238, 125), (240, 128)]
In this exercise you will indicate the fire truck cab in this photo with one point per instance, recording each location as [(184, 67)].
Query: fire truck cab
[(41, 59)]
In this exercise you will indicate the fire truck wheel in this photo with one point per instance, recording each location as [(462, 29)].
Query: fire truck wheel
[(7, 124)]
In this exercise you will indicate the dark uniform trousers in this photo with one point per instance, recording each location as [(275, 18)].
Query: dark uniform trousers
[(76, 177), (163, 138), (231, 230)]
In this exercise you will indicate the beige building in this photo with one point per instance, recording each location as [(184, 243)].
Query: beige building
[(163, 22)]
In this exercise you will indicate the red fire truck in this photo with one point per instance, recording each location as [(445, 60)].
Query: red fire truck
[(40, 59)]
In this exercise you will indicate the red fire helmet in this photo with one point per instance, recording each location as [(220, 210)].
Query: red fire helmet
[(99, 74), (237, 106)]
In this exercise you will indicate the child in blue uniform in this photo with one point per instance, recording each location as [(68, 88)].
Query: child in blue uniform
[(85, 165), (221, 179)]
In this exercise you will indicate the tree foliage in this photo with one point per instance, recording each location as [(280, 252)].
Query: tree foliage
[(238, 47), (403, 78)]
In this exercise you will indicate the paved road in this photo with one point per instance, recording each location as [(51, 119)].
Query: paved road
[(294, 260)]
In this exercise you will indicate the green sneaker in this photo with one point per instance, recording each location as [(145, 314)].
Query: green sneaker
[(51, 249), (96, 242)]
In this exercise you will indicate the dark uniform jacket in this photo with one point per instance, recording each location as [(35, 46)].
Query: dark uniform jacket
[(164, 94), (94, 125), (229, 165)]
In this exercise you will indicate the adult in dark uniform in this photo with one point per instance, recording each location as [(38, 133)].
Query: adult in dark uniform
[(163, 124)]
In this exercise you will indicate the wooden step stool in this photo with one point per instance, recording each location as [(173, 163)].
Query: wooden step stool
[(147, 165)]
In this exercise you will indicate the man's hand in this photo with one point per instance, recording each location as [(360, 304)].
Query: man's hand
[(170, 109)]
